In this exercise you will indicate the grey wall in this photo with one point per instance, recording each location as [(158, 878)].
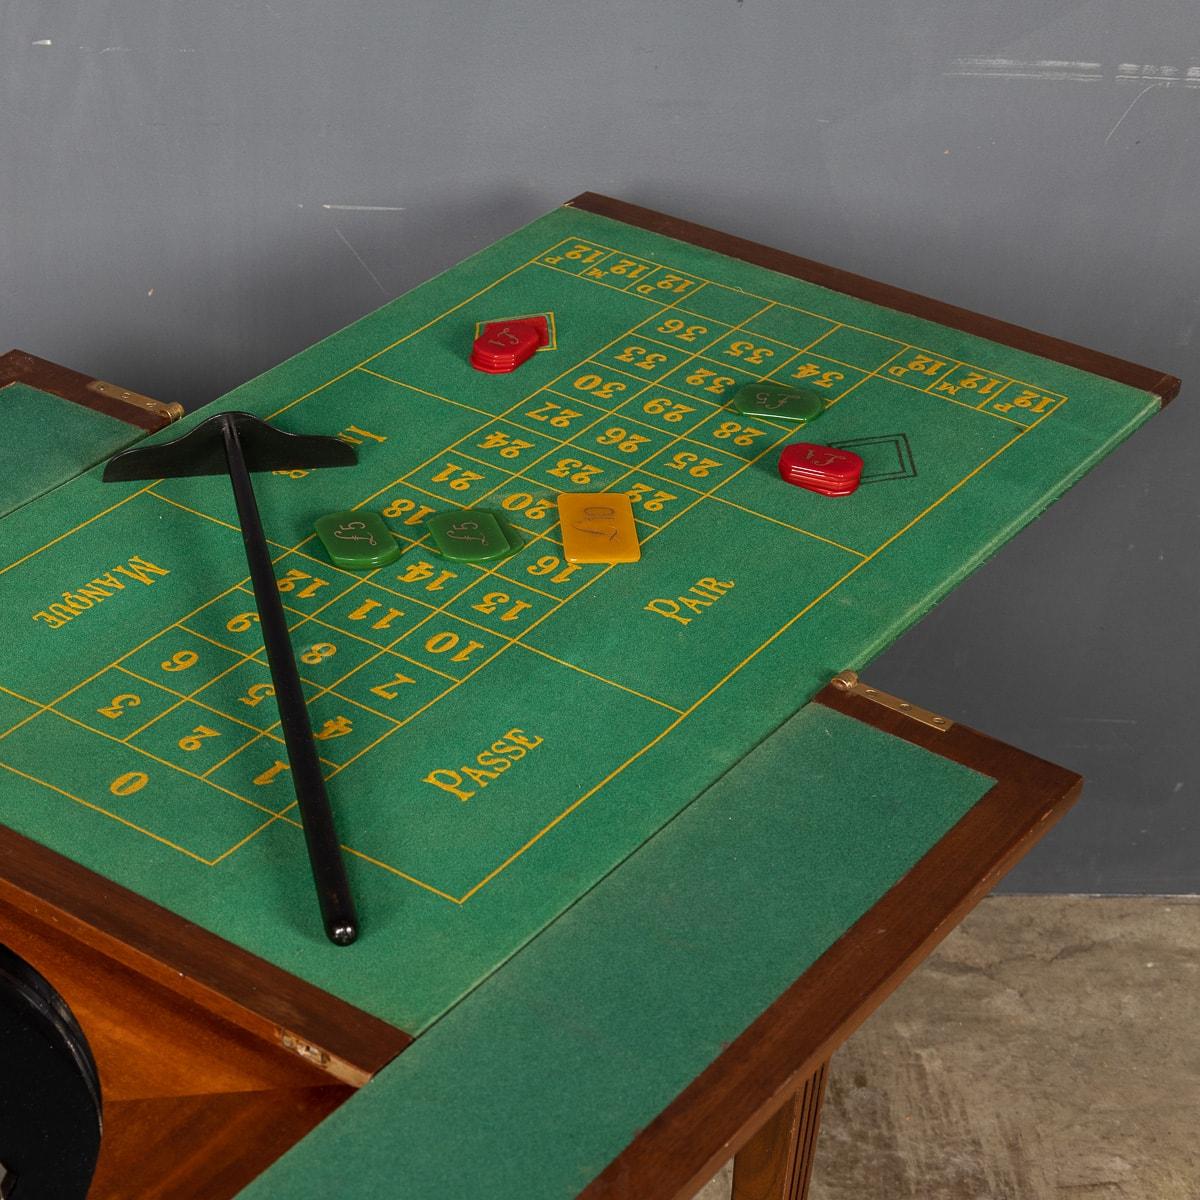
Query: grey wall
[(191, 192)]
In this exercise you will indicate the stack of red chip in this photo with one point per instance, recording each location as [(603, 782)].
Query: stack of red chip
[(821, 469), (504, 345)]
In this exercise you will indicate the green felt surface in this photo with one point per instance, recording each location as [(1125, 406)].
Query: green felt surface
[(638, 685), (544, 1074), (63, 440)]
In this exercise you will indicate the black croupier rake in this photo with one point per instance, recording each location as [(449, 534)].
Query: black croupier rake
[(235, 443)]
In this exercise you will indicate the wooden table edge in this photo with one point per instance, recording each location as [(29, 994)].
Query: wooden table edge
[(1145, 379), (229, 982), (18, 366), (711, 1119)]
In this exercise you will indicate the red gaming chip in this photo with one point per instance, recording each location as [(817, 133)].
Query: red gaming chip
[(821, 468), (538, 320), (503, 347)]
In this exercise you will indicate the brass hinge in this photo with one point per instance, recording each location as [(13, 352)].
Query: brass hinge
[(332, 1064), (849, 683), (171, 412)]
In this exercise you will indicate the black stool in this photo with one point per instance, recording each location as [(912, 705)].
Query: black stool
[(50, 1110)]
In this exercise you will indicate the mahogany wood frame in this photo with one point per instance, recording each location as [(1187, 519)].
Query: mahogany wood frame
[(17, 366), (230, 983), (194, 1108), (777, 1162)]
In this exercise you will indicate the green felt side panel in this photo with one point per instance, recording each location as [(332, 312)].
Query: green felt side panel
[(499, 736), (544, 1074), (63, 439)]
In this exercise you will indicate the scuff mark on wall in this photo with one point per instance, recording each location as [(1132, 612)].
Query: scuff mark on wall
[(1074, 71)]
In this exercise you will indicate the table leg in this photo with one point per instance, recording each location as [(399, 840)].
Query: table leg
[(776, 1163)]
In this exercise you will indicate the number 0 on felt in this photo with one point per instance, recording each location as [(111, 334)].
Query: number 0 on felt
[(598, 527)]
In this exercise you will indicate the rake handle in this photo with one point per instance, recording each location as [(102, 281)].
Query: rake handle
[(320, 834)]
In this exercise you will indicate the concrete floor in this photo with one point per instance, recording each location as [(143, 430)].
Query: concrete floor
[(1049, 1050)]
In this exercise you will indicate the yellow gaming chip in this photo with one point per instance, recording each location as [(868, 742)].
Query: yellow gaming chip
[(598, 527)]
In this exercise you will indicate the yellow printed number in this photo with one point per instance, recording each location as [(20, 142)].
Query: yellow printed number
[(119, 704), (457, 477), (922, 364), (130, 782), (1025, 399), (443, 643), (555, 415), (291, 581), (528, 506), (639, 356), (681, 330), (574, 470), (271, 773), (195, 739), (667, 282), (507, 445), (740, 435), (693, 464), (410, 511), (669, 410), (584, 253), (355, 436), (366, 611), (817, 376), (748, 352), (426, 573), (629, 268), (492, 602), (710, 381), (651, 499), (626, 442), (391, 689), (552, 568), (335, 727), (256, 693), (318, 653), (599, 387)]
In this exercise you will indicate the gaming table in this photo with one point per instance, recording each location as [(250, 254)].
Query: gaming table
[(629, 865)]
